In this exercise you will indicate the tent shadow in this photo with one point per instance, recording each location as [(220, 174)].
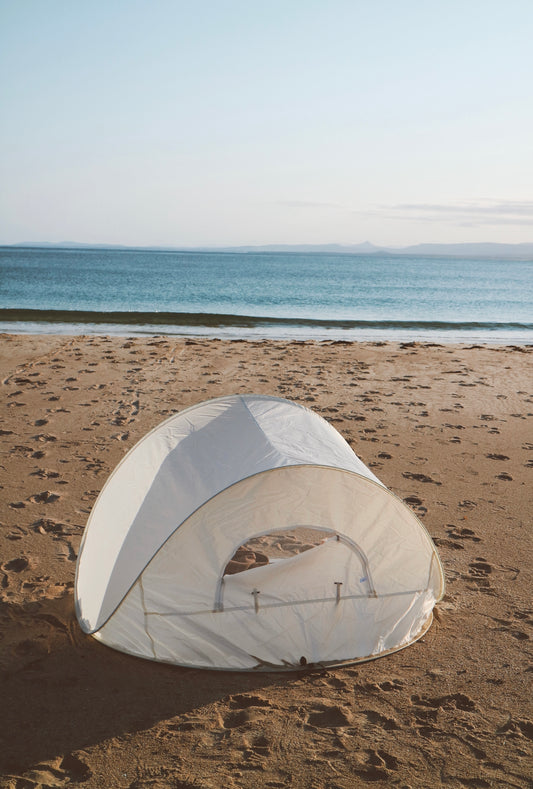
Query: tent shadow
[(62, 691)]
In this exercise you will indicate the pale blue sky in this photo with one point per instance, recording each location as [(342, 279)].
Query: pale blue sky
[(289, 121)]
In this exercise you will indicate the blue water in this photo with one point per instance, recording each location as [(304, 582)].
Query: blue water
[(298, 295)]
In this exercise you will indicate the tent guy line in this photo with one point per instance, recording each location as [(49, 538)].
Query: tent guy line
[(288, 603)]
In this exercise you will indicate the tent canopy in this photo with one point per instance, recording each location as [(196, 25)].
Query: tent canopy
[(151, 575)]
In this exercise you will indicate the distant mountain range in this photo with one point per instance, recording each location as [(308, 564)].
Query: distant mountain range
[(481, 250), (470, 250)]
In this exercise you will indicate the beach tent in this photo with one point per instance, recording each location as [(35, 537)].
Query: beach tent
[(151, 575)]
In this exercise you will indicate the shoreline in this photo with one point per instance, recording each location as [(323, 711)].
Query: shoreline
[(229, 327), (445, 427)]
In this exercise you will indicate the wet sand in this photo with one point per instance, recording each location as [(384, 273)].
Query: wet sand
[(447, 428)]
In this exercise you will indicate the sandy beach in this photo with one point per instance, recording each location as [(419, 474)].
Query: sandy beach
[(447, 428)]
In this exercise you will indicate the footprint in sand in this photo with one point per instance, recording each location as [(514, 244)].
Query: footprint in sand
[(15, 404), (442, 542), (466, 504), (325, 716), (243, 701), (14, 536), (65, 551), (384, 722), (524, 616), (44, 473), (517, 726), (506, 477), (480, 567), (478, 572), (56, 773), (420, 477), (161, 777), (509, 626), (46, 497), (233, 720), (262, 746), (378, 766), (44, 437), (457, 533), (16, 565), (96, 465), (416, 504), (335, 682), (20, 449), (458, 701), (391, 684), (47, 526)]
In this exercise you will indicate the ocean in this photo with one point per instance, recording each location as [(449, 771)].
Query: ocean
[(252, 295)]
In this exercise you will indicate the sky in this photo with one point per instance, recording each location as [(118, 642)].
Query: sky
[(228, 122)]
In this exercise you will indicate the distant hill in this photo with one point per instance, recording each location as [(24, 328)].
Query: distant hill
[(480, 250), (359, 249), (354, 249), (468, 250), (472, 250)]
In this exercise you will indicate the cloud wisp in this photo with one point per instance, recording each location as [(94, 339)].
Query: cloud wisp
[(471, 214), (309, 204)]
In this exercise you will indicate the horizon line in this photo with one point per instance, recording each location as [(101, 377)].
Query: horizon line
[(446, 249)]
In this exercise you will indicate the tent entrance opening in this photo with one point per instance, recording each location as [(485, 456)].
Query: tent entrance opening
[(293, 568)]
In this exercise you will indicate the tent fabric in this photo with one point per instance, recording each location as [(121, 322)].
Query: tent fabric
[(150, 576)]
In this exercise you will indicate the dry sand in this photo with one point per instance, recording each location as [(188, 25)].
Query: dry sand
[(446, 428)]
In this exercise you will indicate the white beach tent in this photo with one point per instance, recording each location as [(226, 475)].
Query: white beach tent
[(151, 576)]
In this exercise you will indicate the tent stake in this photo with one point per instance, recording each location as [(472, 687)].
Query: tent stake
[(256, 594)]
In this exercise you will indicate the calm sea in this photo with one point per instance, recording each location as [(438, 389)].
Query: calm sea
[(273, 295)]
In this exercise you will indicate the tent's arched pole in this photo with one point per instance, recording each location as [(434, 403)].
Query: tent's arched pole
[(219, 594)]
